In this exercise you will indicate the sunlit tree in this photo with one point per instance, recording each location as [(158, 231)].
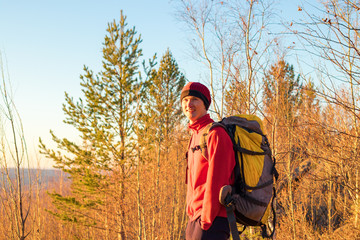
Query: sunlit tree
[(101, 163)]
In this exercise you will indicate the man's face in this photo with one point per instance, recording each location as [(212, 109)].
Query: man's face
[(193, 108)]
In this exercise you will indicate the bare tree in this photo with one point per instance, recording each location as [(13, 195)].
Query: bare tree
[(331, 34), (16, 191), (230, 38)]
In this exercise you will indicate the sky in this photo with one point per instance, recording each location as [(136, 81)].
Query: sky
[(45, 44)]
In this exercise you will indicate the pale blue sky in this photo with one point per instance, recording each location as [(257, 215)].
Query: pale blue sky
[(45, 45)]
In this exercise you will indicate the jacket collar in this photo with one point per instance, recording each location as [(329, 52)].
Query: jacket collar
[(200, 123)]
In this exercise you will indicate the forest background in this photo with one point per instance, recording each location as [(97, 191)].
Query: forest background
[(122, 166)]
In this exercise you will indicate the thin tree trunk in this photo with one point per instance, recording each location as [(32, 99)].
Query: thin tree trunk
[(121, 218), (356, 220), (138, 192), (290, 189), (330, 201), (182, 221), (248, 57)]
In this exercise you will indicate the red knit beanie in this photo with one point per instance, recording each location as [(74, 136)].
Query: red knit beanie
[(199, 90)]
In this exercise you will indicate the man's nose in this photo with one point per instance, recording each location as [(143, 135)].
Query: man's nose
[(190, 103)]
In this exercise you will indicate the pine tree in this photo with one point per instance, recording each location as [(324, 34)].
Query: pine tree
[(160, 118), (100, 165), (281, 90), (164, 96), (280, 101)]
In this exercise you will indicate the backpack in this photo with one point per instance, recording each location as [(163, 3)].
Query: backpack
[(250, 200)]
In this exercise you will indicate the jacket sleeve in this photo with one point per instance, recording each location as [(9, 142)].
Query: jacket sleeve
[(221, 165)]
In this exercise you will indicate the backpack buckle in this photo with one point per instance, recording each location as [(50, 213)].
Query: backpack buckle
[(229, 201), (225, 197)]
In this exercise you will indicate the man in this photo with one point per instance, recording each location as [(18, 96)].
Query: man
[(205, 177)]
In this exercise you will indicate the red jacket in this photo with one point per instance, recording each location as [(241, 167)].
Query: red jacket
[(206, 177)]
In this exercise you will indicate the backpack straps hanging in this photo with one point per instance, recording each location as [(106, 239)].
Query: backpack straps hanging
[(226, 200)]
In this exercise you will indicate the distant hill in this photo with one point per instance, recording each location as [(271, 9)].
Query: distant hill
[(44, 176)]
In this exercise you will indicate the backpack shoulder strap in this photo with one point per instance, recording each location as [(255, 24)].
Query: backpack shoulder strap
[(203, 141), (204, 137)]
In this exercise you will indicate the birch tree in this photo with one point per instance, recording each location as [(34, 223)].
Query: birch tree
[(331, 34), (230, 38)]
